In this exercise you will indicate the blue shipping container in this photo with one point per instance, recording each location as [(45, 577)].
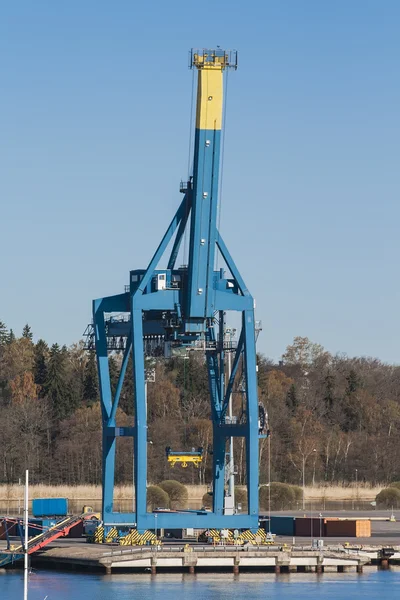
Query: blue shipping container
[(47, 523), (283, 525), (50, 507), (34, 527)]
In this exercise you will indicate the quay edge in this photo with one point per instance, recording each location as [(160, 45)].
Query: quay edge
[(203, 559)]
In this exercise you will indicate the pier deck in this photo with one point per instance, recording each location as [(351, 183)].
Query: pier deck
[(202, 558)]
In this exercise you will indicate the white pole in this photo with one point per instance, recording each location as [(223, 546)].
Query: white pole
[(269, 484), (134, 482), (357, 485), (231, 485), (26, 500)]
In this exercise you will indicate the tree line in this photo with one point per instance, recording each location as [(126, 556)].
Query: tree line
[(333, 419)]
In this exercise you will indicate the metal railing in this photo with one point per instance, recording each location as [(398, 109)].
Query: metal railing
[(140, 550)]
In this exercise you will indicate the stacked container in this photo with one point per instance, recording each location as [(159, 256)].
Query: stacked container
[(348, 528)]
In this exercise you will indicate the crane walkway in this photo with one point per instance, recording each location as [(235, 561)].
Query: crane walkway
[(61, 529)]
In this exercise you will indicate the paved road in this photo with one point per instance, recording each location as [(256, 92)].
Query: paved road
[(353, 514), (384, 533)]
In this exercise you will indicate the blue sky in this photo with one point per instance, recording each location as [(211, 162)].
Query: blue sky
[(94, 133)]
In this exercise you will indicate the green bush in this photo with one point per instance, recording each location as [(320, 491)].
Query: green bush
[(156, 497), (207, 500), (240, 498), (298, 494), (395, 484), (388, 498), (176, 491), (283, 496)]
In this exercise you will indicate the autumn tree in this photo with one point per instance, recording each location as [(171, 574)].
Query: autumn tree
[(304, 353), (330, 416), (24, 440), (78, 447), (16, 358)]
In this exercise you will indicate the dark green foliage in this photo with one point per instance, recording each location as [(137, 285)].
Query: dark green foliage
[(40, 364), (240, 498), (291, 399), (207, 500), (3, 334), (126, 398), (90, 387), (56, 386), (329, 397), (190, 376), (353, 382), (283, 496), (10, 337), (388, 498), (298, 494), (156, 498), (114, 374), (27, 332), (176, 491), (350, 402)]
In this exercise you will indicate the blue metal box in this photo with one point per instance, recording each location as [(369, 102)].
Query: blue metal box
[(47, 523), (34, 527), (50, 507), (283, 525)]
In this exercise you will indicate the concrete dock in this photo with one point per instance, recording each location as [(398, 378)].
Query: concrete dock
[(198, 558), (288, 554)]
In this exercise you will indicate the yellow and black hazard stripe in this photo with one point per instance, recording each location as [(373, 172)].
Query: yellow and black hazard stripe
[(112, 535), (134, 538), (131, 539), (98, 536)]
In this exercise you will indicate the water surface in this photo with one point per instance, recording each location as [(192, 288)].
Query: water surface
[(372, 584)]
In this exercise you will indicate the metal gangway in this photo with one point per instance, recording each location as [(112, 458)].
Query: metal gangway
[(60, 529)]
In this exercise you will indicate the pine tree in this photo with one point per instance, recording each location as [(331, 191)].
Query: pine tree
[(127, 392), (27, 332), (56, 385), (291, 398), (114, 374), (329, 397), (11, 337), (353, 382), (40, 364), (3, 334), (64, 352), (350, 405), (90, 388), (191, 376)]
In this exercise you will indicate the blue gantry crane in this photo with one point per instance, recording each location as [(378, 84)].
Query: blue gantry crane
[(167, 311)]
